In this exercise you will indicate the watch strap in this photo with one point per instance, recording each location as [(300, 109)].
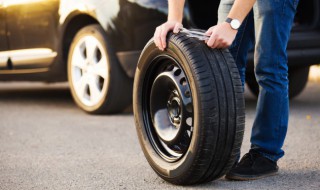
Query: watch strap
[(228, 20)]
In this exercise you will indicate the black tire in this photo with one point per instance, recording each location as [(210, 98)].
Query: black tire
[(117, 95), (217, 112), (298, 78)]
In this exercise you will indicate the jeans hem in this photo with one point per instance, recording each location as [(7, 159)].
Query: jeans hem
[(266, 155)]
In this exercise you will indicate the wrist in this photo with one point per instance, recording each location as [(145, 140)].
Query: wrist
[(233, 23), (174, 20)]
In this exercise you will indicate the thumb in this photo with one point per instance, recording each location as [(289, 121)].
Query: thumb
[(209, 31), (177, 28)]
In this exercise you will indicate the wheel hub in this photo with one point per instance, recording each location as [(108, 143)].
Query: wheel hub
[(169, 106), (89, 70), (174, 109)]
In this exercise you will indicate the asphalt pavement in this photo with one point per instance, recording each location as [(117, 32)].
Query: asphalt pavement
[(46, 142)]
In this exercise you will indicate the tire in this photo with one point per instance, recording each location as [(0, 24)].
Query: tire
[(195, 92), (298, 78), (97, 82)]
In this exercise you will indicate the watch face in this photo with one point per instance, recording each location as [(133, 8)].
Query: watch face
[(235, 24)]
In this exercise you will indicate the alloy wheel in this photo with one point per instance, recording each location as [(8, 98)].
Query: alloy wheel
[(89, 70)]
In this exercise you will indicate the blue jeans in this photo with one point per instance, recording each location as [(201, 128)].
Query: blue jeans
[(267, 30)]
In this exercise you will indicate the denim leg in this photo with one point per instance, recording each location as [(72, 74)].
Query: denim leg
[(273, 21)]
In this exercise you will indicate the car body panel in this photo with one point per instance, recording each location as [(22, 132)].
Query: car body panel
[(3, 37), (36, 29), (43, 41), (32, 33)]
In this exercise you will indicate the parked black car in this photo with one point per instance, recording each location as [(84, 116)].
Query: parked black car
[(303, 48), (95, 44)]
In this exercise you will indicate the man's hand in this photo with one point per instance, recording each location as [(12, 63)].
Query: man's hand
[(161, 32), (221, 36)]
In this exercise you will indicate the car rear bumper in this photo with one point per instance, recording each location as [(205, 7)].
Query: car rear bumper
[(296, 58)]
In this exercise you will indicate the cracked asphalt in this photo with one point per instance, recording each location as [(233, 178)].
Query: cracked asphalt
[(46, 142)]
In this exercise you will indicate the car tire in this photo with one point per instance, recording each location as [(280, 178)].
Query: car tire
[(97, 82), (298, 78), (195, 92)]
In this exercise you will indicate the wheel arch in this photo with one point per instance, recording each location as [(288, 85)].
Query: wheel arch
[(74, 23)]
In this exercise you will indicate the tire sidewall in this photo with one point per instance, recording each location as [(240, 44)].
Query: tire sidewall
[(167, 170)]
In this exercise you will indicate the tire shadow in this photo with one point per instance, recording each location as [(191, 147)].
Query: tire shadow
[(41, 94), (36, 95)]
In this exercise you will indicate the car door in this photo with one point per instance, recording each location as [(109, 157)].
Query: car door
[(3, 38), (32, 32)]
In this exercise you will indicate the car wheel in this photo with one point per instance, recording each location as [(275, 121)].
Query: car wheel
[(298, 78), (97, 82), (189, 110)]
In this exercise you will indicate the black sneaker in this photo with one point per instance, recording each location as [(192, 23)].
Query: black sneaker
[(253, 166)]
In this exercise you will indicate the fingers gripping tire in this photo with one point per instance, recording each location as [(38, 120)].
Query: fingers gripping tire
[(189, 110), (97, 82)]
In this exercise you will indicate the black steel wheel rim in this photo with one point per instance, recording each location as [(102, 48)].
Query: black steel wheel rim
[(167, 108)]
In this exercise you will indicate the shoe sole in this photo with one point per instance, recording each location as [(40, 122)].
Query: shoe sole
[(249, 177)]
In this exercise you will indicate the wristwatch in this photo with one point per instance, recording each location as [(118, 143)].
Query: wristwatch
[(234, 23)]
